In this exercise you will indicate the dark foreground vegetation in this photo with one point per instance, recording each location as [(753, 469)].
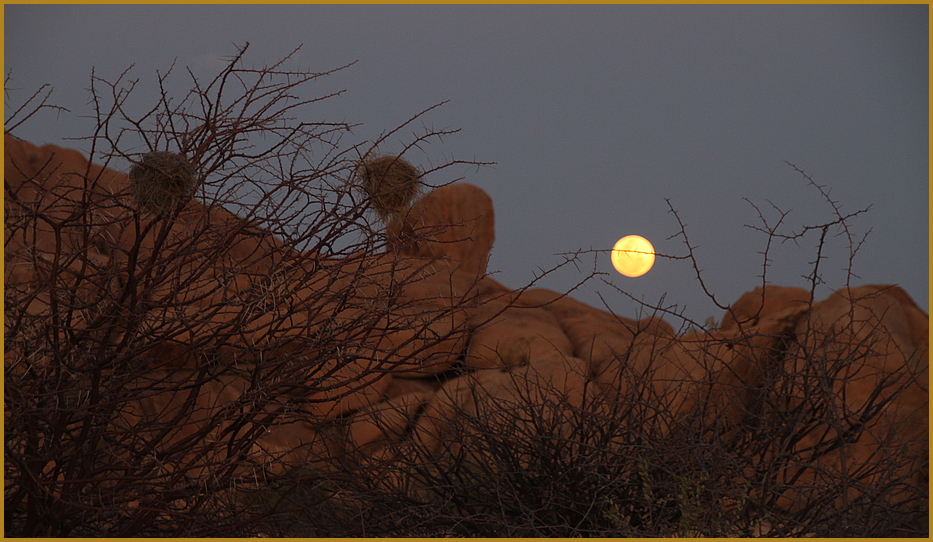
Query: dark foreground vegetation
[(216, 362)]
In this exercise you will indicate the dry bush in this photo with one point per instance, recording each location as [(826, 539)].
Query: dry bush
[(159, 364), (192, 372), (824, 441)]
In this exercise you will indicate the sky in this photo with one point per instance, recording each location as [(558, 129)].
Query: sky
[(599, 119)]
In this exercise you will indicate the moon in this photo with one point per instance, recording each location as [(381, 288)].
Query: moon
[(632, 256)]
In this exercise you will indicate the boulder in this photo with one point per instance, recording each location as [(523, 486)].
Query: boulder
[(756, 305), (865, 352), (186, 418), (58, 184), (505, 334), (534, 399), (597, 336), (601, 338), (61, 182), (399, 385), (655, 326), (363, 343), (408, 313), (489, 287), (716, 376), (428, 332), (454, 222), (373, 429), (96, 261)]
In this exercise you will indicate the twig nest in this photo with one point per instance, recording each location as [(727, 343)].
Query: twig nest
[(162, 181), (391, 183)]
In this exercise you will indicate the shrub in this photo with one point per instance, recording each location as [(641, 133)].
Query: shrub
[(160, 364), (194, 372)]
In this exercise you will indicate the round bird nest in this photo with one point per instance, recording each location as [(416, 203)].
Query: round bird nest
[(162, 181), (391, 182)]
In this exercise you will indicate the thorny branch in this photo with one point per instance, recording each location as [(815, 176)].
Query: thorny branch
[(148, 359)]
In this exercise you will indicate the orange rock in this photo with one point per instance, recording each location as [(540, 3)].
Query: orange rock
[(424, 332), (507, 334), (453, 222), (434, 424), (489, 287), (655, 326), (187, 421), (399, 386), (393, 321), (344, 387), (519, 401), (759, 303), (60, 183), (229, 287), (214, 255), (421, 341), (597, 336), (371, 429), (421, 307), (717, 376), (865, 352), (399, 315)]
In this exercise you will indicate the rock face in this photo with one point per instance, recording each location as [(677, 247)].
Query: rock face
[(505, 401), (427, 342), (719, 372), (595, 335), (453, 222), (162, 406), (873, 341), (760, 303), (506, 334)]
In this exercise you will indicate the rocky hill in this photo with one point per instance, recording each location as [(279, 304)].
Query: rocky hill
[(154, 357)]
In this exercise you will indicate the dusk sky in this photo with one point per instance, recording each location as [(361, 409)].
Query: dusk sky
[(595, 116)]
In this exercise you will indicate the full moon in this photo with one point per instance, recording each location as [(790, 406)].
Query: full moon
[(632, 256)]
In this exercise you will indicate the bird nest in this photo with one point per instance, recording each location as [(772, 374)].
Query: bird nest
[(162, 181), (391, 183)]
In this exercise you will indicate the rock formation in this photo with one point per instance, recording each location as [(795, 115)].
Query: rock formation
[(866, 351), (452, 222), (758, 304), (447, 343)]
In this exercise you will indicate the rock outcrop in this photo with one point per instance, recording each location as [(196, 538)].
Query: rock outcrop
[(864, 350), (427, 343), (454, 222), (503, 401), (760, 303)]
